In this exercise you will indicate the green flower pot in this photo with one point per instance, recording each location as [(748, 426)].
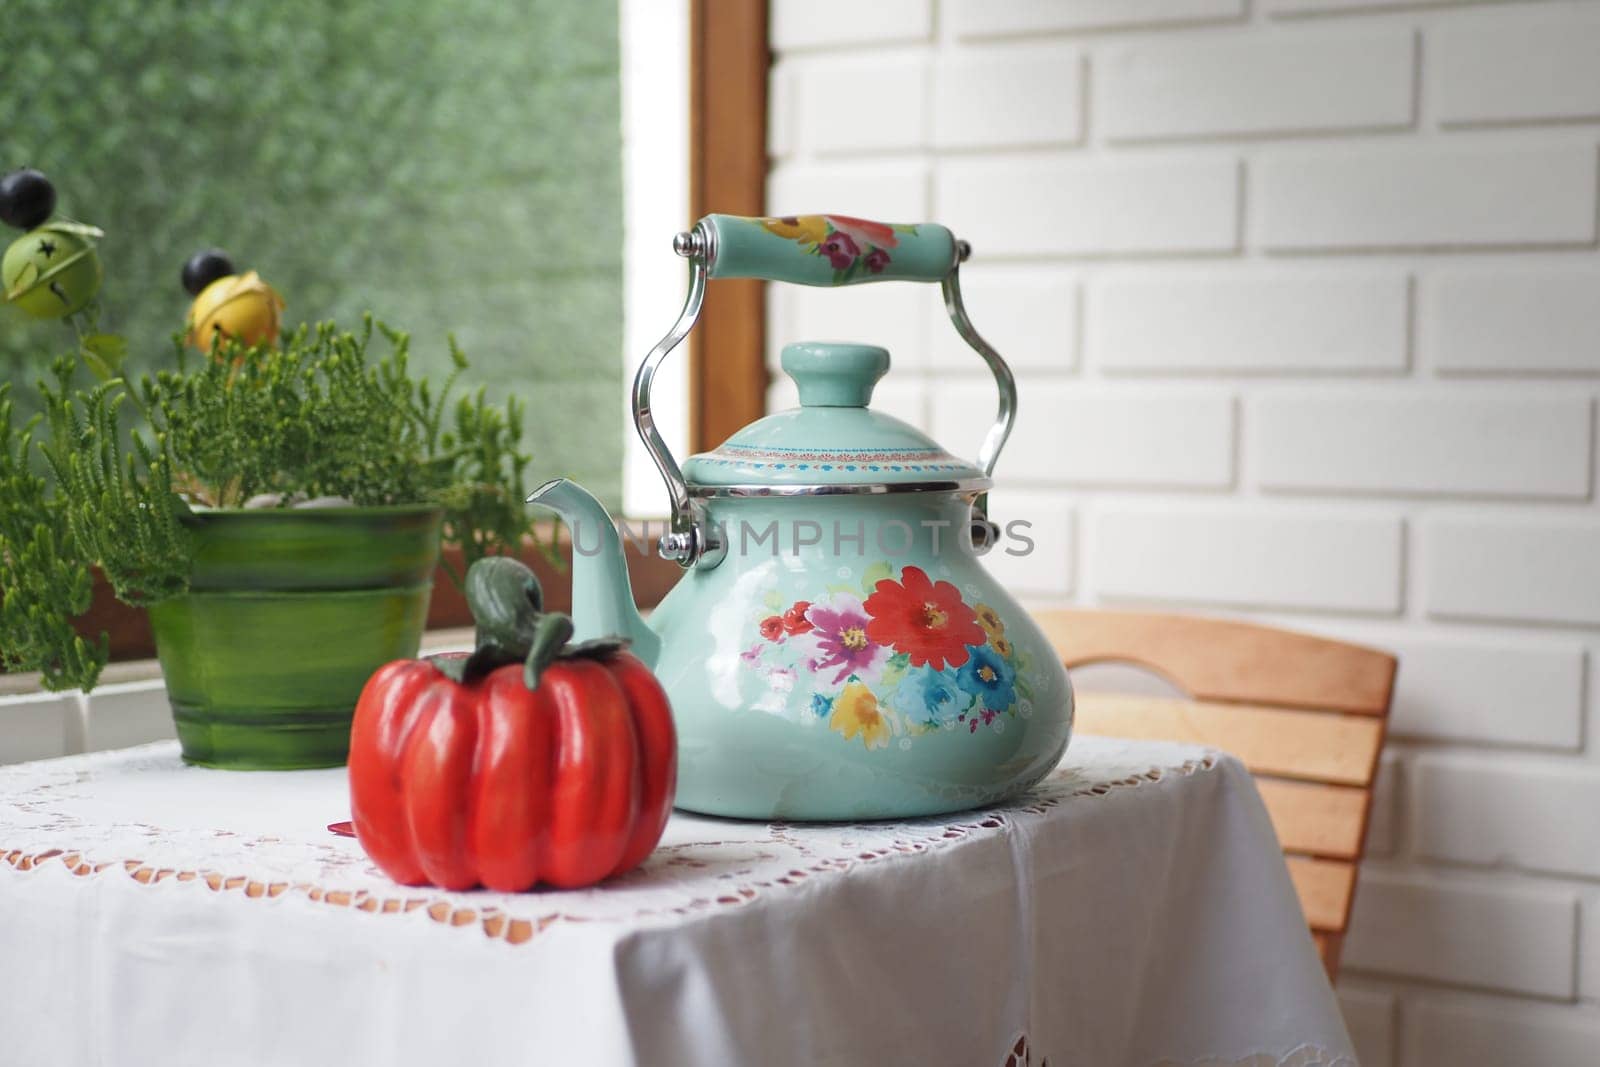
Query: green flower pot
[(288, 613)]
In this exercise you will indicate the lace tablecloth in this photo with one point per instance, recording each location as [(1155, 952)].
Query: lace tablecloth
[(1132, 909)]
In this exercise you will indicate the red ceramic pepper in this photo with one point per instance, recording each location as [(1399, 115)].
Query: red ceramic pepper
[(529, 761)]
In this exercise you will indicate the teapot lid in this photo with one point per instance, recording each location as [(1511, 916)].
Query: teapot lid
[(832, 442)]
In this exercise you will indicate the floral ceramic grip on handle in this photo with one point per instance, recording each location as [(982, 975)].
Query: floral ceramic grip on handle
[(827, 249)]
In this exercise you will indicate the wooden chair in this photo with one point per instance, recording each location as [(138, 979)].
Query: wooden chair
[(1305, 714)]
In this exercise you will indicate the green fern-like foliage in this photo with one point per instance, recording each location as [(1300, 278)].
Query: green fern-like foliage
[(119, 507), (45, 582), (328, 413)]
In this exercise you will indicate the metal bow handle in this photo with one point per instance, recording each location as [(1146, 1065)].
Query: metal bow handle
[(820, 250)]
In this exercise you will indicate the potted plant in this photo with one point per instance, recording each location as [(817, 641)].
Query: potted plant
[(279, 510)]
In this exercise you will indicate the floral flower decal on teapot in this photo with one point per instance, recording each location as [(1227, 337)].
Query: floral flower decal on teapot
[(852, 245), (907, 658)]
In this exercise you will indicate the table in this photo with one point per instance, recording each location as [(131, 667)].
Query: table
[(1132, 909)]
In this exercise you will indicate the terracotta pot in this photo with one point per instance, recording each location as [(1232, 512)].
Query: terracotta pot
[(288, 613)]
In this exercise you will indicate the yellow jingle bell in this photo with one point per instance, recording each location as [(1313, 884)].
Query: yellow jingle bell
[(240, 307)]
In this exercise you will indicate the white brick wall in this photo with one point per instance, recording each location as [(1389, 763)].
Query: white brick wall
[(882, 189), (990, 98), (1589, 949), (1311, 560), (1474, 811), (1033, 206), (1446, 441), (1370, 1019), (1029, 313), (1383, 822), (1508, 938), (1477, 1031), (984, 18), (860, 102), (1490, 72), (848, 23), (1264, 323), (1104, 435), (1180, 88), (1500, 321), (1425, 196), (1539, 570), (1495, 692), (1304, 297)]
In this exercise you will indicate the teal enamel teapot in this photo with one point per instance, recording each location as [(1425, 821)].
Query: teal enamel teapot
[(835, 648)]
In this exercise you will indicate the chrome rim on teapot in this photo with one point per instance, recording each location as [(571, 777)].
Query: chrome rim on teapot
[(835, 648)]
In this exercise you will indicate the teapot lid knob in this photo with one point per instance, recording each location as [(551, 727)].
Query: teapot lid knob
[(833, 374)]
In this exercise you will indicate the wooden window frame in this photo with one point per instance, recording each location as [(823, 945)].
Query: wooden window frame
[(728, 66)]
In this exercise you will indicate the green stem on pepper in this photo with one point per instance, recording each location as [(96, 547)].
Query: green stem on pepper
[(512, 627)]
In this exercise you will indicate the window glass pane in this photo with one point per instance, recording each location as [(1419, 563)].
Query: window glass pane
[(455, 167)]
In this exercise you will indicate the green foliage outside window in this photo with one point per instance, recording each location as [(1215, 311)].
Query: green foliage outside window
[(454, 166)]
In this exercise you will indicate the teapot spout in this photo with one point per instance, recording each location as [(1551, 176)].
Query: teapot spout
[(602, 599)]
